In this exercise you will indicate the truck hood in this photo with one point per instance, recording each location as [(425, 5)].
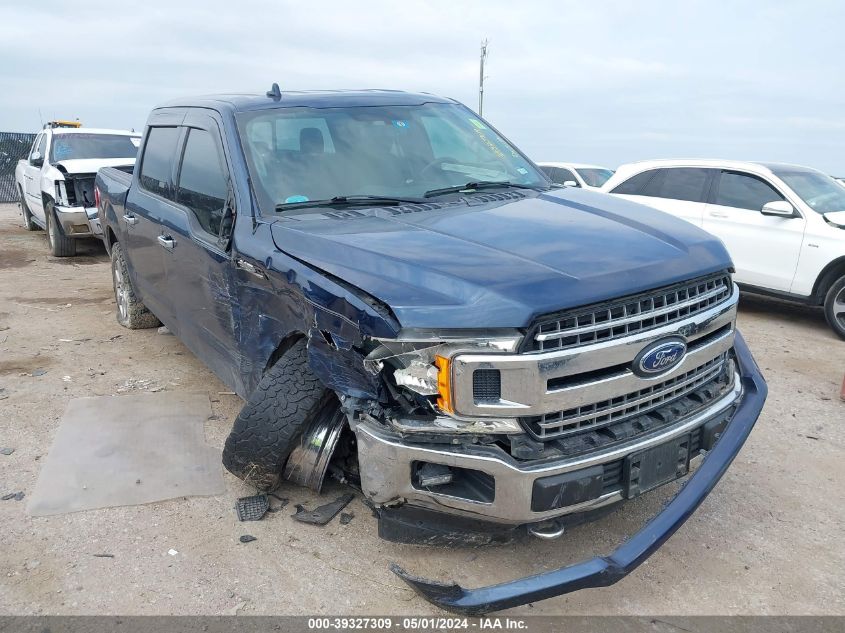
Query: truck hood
[(500, 260), (91, 165)]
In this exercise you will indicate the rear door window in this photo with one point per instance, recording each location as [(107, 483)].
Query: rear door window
[(549, 171), (562, 175), (744, 191), (157, 163), (680, 183), (202, 180), (635, 184)]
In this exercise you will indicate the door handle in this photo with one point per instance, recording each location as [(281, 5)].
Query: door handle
[(167, 242), (718, 214), (131, 220)]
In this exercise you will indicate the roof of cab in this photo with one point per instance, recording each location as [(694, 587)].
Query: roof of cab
[(712, 163), (307, 98), (571, 165), (59, 131)]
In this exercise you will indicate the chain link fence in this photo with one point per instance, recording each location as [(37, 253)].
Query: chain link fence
[(13, 147)]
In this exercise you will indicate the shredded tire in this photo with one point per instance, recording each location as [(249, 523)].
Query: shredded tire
[(269, 426), (131, 312), (60, 246)]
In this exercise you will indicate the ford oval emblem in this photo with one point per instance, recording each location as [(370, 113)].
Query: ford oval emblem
[(660, 357)]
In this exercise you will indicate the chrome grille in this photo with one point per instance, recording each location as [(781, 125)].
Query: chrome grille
[(629, 315), (600, 414)]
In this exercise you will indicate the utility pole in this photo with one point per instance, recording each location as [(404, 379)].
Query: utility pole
[(481, 78)]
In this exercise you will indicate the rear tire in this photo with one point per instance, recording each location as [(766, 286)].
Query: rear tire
[(131, 312), (834, 307), (60, 246), (269, 426), (28, 223)]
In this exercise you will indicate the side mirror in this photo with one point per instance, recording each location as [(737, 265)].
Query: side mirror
[(836, 218), (570, 183), (37, 159), (779, 208)]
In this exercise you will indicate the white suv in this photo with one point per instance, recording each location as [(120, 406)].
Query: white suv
[(580, 175), (784, 225)]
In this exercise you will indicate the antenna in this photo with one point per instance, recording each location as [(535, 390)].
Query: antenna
[(274, 93), (481, 78)]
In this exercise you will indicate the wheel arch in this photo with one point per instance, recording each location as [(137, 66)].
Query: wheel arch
[(45, 200), (109, 238), (284, 345), (827, 277)]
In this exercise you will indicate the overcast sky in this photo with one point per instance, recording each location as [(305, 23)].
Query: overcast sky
[(586, 81)]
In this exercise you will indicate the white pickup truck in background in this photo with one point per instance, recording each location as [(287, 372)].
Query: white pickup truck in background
[(56, 181)]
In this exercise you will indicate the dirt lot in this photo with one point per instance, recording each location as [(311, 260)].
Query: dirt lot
[(768, 540)]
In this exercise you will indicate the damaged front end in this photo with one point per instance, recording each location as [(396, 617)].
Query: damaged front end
[(76, 209), (602, 571), (467, 437), (400, 386)]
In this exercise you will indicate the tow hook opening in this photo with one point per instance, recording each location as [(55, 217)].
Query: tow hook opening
[(547, 530)]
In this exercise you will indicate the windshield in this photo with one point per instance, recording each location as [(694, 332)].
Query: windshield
[(82, 145), (296, 155), (821, 192), (594, 177)]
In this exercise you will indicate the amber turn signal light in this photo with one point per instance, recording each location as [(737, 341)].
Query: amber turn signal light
[(444, 384)]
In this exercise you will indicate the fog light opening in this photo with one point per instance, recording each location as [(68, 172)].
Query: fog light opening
[(461, 483)]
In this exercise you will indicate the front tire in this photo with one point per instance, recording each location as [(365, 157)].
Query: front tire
[(834, 307), (28, 223), (131, 312), (60, 246), (269, 426)]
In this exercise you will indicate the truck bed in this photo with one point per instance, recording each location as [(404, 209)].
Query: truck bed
[(113, 184)]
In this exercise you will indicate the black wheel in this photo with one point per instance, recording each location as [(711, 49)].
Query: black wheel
[(60, 246), (28, 222), (834, 307), (131, 313), (269, 426)]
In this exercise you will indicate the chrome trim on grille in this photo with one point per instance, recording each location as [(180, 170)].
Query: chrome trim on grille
[(530, 382), (610, 411), (628, 315)]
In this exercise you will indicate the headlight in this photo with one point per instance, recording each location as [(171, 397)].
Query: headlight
[(422, 360), (61, 192)]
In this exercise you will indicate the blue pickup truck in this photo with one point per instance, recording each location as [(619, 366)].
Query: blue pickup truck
[(405, 302)]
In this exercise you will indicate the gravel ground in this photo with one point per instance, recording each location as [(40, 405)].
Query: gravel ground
[(768, 540)]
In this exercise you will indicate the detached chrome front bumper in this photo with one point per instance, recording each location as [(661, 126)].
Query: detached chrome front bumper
[(602, 571), (79, 221)]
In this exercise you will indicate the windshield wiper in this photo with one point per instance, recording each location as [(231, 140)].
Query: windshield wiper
[(345, 201), (481, 184)]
